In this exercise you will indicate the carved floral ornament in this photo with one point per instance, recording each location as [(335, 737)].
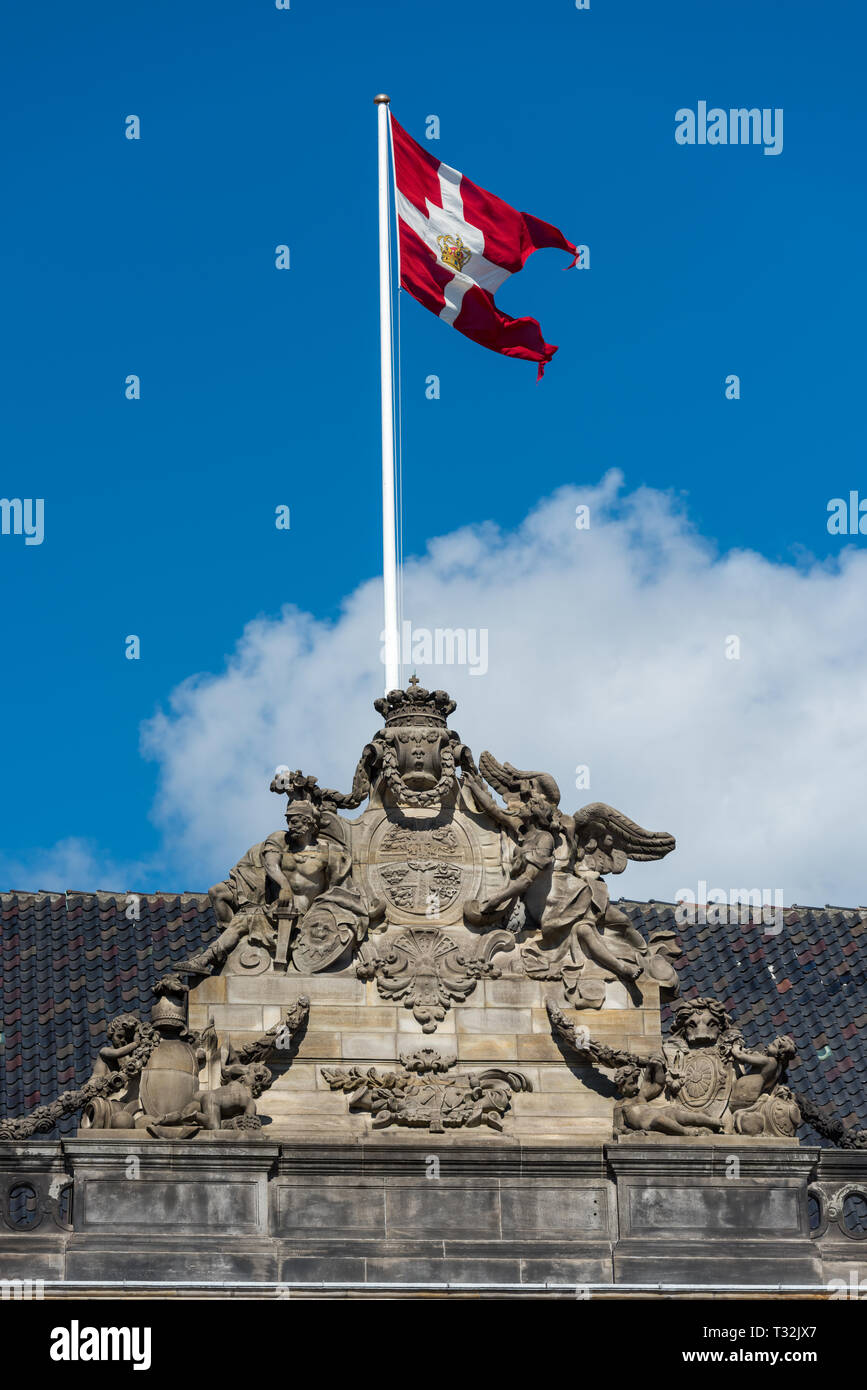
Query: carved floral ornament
[(423, 1096), (426, 971)]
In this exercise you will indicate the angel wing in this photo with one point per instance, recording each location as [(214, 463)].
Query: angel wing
[(505, 778), (631, 840)]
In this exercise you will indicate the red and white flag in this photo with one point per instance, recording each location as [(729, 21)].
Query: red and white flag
[(458, 244)]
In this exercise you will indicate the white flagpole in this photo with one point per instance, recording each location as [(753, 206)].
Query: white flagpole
[(386, 362)]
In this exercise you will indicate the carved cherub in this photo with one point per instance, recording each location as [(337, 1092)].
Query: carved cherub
[(636, 1112), (752, 1092), (768, 1067), (231, 1105), (124, 1033), (130, 1043)]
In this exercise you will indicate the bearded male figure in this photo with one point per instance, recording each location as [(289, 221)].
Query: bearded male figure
[(282, 878)]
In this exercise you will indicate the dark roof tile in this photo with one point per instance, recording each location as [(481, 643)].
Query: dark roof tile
[(69, 963)]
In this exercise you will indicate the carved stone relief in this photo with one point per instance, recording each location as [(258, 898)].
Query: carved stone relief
[(705, 1080), (427, 972), (423, 1096)]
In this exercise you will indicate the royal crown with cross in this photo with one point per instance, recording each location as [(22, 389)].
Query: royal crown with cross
[(453, 252), (415, 705)]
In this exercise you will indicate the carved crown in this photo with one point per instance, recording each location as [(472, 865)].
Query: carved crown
[(169, 1013), (415, 705)]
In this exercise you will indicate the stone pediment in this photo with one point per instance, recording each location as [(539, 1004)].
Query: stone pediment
[(463, 906)]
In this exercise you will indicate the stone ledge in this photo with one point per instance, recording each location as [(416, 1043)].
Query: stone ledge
[(330, 1210), (690, 1158)]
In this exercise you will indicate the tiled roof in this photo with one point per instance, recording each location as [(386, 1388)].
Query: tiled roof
[(808, 979), (69, 963)]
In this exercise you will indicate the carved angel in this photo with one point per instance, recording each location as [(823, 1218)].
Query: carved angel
[(529, 820), (558, 870), (578, 912)]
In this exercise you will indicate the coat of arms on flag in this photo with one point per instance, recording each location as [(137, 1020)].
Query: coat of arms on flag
[(458, 244)]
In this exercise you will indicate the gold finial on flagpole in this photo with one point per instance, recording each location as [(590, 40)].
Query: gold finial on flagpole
[(380, 98)]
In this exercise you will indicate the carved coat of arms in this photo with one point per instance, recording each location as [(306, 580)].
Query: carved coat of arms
[(418, 871), (422, 871)]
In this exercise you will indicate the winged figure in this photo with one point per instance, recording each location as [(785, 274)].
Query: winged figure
[(558, 871)]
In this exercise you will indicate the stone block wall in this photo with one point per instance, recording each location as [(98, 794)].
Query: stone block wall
[(251, 1215), (503, 1023)]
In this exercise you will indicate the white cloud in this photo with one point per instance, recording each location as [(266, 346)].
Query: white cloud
[(73, 865), (606, 648)]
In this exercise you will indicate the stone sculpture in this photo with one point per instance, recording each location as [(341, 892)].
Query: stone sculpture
[(453, 876), (146, 1077), (296, 881), (759, 1102), (698, 1085), (306, 898), (421, 1097), (636, 1109), (416, 755), (557, 870), (130, 1043), (116, 1071), (232, 1105), (175, 1106)]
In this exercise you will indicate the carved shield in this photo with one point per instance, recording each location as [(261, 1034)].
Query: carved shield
[(782, 1115), (324, 936), (337, 919), (170, 1079), (422, 869), (425, 887), (775, 1114), (707, 1079)]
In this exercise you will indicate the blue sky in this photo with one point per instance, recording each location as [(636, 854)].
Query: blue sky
[(260, 387)]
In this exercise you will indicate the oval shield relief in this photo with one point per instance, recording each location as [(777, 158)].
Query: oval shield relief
[(325, 934)]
